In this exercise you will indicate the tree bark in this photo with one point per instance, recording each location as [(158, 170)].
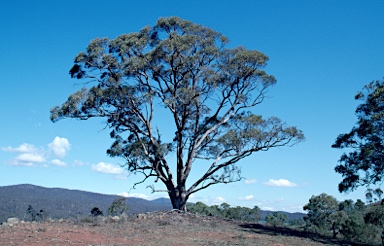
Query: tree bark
[(178, 197)]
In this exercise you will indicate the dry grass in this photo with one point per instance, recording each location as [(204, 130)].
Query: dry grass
[(161, 228)]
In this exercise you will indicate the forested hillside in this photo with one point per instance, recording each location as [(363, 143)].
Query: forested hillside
[(63, 203)]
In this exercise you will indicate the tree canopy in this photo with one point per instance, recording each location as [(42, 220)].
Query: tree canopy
[(118, 207), (364, 165), (276, 219), (319, 210), (206, 89), (226, 211), (349, 220)]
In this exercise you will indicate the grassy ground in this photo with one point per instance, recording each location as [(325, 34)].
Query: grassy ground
[(161, 228)]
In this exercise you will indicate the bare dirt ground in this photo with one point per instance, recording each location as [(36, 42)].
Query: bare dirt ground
[(160, 228)]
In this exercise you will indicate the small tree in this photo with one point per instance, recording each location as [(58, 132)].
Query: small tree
[(242, 213), (319, 210), (226, 211), (276, 219), (337, 220), (346, 219), (30, 213), (255, 214), (296, 222), (357, 230), (118, 206), (96, 212), (206, 91), (224, 206), (34, 215), (233, 213), (199, 208), (40, 214)]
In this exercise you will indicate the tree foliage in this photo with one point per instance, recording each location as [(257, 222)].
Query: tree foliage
[(319, 210), (118, 207), (203, 90), (349, 220), (375, 215), (364, 165), (373, 195), (276, 219), (34, 215), (96, 212), (226, 211)]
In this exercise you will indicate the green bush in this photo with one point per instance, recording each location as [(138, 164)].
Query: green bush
[(118, 207), (276, 219)]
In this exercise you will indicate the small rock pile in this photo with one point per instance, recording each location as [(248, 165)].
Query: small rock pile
[(175, 216), (10, 222)]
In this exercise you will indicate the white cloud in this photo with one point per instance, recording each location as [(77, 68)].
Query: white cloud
[(247, 198), (59, 163), (279, 205), (220, 199), (142, 196), (121, 177), (102, 167), (280, 183), (30, 157), (137, 195), (23, 148), (79, 163), (59, 146), (250, 197), (207, 200), (20, 163), (268, 208), (216, 201), (195, 198), (124, 194), (250, 181)]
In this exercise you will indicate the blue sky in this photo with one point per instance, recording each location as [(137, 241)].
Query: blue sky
[(321, 52)]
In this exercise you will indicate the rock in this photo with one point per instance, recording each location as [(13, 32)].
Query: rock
[(13, 220), (115, 218), (141, 217)]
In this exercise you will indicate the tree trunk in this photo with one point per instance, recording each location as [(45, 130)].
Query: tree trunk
[(178, 198), (334, 230)]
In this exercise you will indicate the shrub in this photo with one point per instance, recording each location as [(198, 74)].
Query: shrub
[(96, 212), (118, 207), (276, 219)]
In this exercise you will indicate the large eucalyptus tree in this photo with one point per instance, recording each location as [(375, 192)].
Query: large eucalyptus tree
[(207, 89)]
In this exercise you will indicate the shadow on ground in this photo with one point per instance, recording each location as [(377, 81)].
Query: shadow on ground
[(262, 229)]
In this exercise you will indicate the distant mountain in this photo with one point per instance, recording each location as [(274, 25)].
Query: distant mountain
[(64, 203), (161, 200)]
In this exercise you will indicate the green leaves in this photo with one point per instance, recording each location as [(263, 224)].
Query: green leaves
[(226, 211), (364, 164), (118, 207), (206, 88), (350, 220), (249, 132), (324, 214), (276, 219), (72, 107)]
